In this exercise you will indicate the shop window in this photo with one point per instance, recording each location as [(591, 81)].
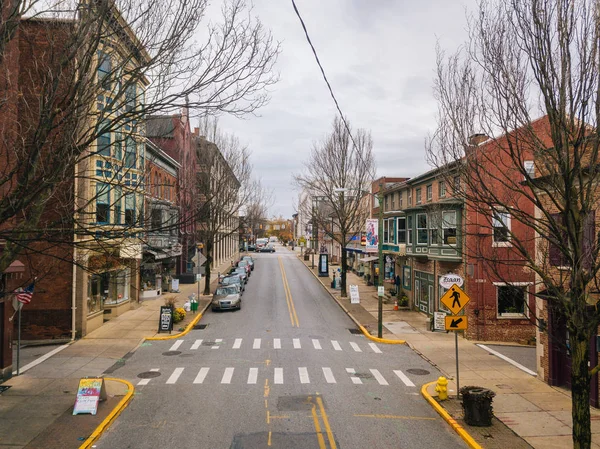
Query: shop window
[(422, 229), (512, 300), (96, 296), (429, 192), (449, 227), (501, 227), (129, 209), (401, 225), (102, 202), (418, 196), (118, 286), (442, 189)]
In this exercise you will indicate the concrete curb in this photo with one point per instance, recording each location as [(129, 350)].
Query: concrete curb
[(444, 414), (187, 329), (358, 324), (112, 416)]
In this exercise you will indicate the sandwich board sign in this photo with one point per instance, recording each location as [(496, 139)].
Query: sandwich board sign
[(354, 297), (165, 322), (90, 392)]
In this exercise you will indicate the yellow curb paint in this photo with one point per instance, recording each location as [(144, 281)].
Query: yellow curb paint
[(444, 414), (181, 334), (112, 415), (424, 418)]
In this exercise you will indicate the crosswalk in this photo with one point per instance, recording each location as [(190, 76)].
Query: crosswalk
[(279, 375), (275, 343)]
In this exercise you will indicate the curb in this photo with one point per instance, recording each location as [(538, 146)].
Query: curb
[(360, 326), (187, 329), (112, 416), (444, 414)]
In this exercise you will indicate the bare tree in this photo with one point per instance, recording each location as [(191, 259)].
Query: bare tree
[(337, 176), (527, 58), (85, 85)]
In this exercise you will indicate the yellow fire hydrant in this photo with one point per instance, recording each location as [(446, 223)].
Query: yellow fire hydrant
[(442, 388)]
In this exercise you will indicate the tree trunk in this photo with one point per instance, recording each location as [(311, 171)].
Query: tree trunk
[(344, 268), (209, 258), (580, 391)]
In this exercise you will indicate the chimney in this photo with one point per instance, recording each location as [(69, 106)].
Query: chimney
[(477, 139)]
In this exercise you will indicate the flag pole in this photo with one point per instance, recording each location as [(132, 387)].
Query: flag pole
[(19, 341)]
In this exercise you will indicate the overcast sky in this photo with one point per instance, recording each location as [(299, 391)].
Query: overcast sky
[(379, 56)]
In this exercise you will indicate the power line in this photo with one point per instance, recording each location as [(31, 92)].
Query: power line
[(323, 73)]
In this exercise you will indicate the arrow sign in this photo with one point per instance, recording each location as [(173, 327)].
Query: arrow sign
[(456, 323)]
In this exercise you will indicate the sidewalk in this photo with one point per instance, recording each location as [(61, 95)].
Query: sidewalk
[(36, 409), (538, 413)]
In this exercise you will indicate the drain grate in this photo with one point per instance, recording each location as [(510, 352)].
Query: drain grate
[(3, 388), (148, 375), (355, 331), (200, 326), (417, 371), (171, 353)]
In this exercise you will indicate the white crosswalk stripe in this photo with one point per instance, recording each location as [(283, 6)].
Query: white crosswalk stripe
[(145, 381), (277, 343), (237, 343), (336, 345), (227, 375), (176, 345), (317, 344), (296, 342), (403, 378), (355, 347), (355, 380), (196, 344), (303, 372), (173, 377), (217, 343), (375, 348), (201, 375), (278, 376), (379, 377), (329, 375), (252, 375), (256, 344)]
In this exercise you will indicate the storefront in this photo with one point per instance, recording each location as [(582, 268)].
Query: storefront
[(424, 291), (389, 267)]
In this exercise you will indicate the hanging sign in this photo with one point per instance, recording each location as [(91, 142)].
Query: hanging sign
[(165, 323), (90, 392), (448, 280)]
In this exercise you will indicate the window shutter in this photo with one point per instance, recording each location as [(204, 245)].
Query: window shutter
[(589, 231)]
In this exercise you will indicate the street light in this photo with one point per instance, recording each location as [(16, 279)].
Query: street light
[(379, 250)]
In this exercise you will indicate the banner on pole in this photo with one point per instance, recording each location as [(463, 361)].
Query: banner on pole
[(372, 244)]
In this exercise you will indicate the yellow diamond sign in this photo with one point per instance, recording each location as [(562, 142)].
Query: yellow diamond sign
[(455, 299)]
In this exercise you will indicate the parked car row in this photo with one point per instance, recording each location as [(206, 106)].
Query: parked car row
[(228, 295)]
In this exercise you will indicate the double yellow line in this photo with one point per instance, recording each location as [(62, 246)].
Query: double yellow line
[(315, 416), (288, 297)]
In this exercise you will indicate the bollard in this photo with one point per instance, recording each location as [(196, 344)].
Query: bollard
[(442, 388)]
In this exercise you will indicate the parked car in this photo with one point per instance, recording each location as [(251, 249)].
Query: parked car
[(252, 247), (268, 249), (250, 261), (246, 264), (227, 298), (233, 280), (241, 272)]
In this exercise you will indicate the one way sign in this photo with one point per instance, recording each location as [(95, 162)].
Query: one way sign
[(456, 323)]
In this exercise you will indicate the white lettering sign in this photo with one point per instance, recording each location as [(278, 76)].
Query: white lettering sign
[(448, 280), (354, 297)]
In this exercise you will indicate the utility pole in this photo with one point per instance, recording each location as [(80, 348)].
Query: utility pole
[(314, 242), (380, 250)]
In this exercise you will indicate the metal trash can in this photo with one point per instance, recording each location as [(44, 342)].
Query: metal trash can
[(477, 405), (194, 305)]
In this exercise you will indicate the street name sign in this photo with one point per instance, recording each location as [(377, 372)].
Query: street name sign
[(456, 323), (455, 299)]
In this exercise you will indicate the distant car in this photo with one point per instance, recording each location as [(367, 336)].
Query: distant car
[(252, 247), (250, 261), (245, 263), (233, 280), (241, 272), (227, 298), (268, 249)]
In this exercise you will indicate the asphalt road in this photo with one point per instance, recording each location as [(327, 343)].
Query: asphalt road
[(285, 372)]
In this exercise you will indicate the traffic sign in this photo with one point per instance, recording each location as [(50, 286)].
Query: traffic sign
[(456, 323), (455, 299)]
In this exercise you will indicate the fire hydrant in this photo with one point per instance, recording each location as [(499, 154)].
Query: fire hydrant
[(442, 388)]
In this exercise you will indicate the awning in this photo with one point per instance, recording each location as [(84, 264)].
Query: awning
[(369, 259), (15, 267)]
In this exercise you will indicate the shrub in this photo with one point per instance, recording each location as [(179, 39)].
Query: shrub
[(178, 315), (170, 301)]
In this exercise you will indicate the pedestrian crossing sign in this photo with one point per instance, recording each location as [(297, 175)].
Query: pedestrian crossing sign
[(455, 299)]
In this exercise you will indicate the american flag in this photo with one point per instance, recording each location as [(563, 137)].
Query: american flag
[(25, 295)]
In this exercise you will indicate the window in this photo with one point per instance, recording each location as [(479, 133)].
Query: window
[(130, 98), (102, 202), (409, 230), (129, 209), (529, 169), (556, 255), (449, 227), (118, 145), (156, 219), (400, 200), (393, 201), (434, 229), (422, 229), (512, 301), (118, 198), (456, 184), (501, 226), (429, 192), (386, 203), (418, 196), (104, 66), (410, 197), (173, 223), (104, 139), (386, 234), (401, 224), (129, 152), (442, 189)]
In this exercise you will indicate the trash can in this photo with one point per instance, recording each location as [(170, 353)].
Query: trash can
[(477, 405), (194, 305)]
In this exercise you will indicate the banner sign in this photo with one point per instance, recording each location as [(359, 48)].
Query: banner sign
[(165, 323), (372, 240), (90, 392)]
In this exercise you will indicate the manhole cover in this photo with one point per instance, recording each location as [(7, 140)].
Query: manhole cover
[(209, 343), (148, 375), (3, 388), (363, 375), (417, 371), (200, 326), (355, 331), (171, 353)]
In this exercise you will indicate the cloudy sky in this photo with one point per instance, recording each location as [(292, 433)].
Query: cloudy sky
[(379, 56)]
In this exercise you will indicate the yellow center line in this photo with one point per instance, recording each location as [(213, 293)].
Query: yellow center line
[(318, 428), (269, 440), (326, 422), (288, 297), (267, 388), (268, 417), (396, 417)]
